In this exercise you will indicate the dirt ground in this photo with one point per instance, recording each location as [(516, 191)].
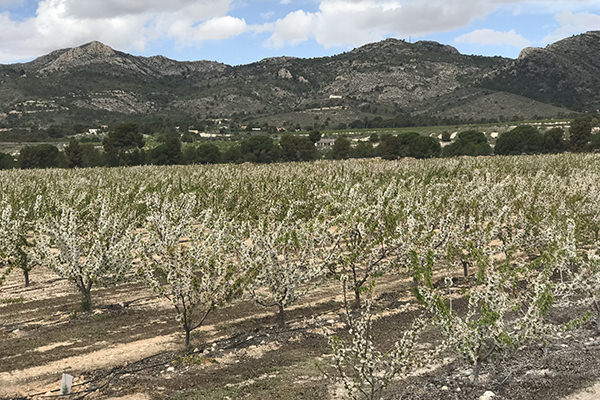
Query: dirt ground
[(127, 350)]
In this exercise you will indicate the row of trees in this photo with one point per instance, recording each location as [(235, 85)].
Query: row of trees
[(124, 146), (523, 235)]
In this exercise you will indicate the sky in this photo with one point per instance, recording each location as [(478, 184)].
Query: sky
[(243, 31)]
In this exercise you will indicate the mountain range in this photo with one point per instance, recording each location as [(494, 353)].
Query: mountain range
[(94, 84)]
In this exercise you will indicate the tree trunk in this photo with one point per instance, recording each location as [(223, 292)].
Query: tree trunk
[(476, 371), (281, 316), (357, 298), (86, 301), (188, 334), (356, 287), (26, 275)]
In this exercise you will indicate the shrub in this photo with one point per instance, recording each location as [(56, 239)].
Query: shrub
[(554, 141), (521, 140), (468, 143), (40, 156)]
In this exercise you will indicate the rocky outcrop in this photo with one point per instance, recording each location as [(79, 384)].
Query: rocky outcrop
[(387, 78), (96, 54), (566, 73), (284, 74)]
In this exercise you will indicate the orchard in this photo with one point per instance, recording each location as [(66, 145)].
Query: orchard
[(483, 257)]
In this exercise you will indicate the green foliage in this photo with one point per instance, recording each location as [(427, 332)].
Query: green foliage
[(91, 156), (125, 136), (424, 147), (123, 144), (363, 150), (131, 158), (422, 272), (341, 149), (233, 154), (409, 144), (554, 141), (7, 161), (521, 140), (581, 133), (259, 149), (167, 153), (595, 145), (56, 132), (545, 300), (389, 147), (40, 156), (204, 153), (74, 154), (298, 148), (315, 136), (468, 143)]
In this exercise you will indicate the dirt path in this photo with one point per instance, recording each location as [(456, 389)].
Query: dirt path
[(591, 393), (42, 340), (41, 337), (44, 377)]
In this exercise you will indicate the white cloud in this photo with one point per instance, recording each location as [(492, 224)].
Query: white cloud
[(292, 29), (573, 23), (95, 9), (490, 37), (219, 28), (125, 25), (355, 22), (133, 24)]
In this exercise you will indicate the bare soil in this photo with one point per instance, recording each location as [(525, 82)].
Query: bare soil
[(130, 347)]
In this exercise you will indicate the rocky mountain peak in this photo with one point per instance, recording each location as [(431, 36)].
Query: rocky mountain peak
[(392, 45), (277, 60), (564, 73), (392, 76), (435, 46), (96, 48), (528, 51), (93, 52)]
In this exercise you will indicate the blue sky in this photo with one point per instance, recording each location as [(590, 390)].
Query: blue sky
[(243, 31)]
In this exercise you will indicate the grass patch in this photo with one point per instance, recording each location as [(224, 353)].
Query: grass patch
[(299, 381), (194, 359), (100, 316), (263, 389), (209, 394), (14, 300)]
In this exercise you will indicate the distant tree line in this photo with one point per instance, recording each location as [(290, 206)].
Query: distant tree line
[(124, 146), (410, 121)]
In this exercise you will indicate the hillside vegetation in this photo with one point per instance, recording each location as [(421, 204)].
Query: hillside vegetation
[(96, 84)]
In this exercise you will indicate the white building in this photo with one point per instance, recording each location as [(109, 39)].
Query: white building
[(325, 143)]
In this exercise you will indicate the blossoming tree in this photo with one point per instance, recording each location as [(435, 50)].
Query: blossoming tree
[(89, 244), (188, 259)]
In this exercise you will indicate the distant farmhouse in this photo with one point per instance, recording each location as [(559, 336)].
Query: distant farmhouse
[(325, 143)]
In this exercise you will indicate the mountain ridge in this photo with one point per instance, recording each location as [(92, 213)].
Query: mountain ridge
[(565, 72), (95, 83)]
